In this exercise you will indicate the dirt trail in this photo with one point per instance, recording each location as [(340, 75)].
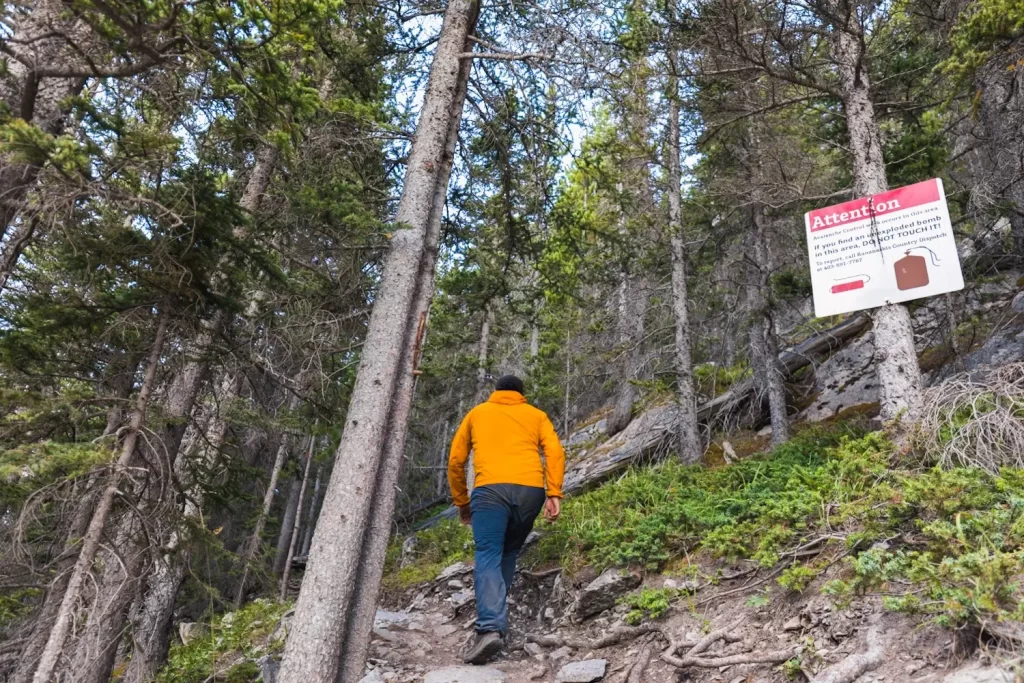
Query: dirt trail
[(429, 627)]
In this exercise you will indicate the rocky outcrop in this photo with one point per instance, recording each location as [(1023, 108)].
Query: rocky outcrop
[(603, 592)]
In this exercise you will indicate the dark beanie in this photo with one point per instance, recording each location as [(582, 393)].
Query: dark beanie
[(509, 383)]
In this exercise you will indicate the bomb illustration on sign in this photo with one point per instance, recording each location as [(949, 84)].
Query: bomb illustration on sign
[(912, 270)]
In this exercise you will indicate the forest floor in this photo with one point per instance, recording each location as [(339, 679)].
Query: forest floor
[(835, 553), (835, 549), (424, 637)]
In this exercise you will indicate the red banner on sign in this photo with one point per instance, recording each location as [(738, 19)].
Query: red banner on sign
[(880, 204)]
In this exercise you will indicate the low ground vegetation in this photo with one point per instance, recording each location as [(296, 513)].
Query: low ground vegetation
[(942, 542)]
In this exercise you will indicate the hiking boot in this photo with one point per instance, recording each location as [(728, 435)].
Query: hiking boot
[(483, 648)]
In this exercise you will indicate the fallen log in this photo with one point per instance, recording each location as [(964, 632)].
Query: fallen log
[(650, 435)]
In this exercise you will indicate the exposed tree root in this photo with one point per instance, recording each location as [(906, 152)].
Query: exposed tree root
[(636, 674), (855, 666), (693, 658), (615, 637), (776, 657)]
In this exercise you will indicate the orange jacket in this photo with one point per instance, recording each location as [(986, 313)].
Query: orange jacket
[(506, 435)]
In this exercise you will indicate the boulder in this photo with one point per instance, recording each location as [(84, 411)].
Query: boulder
[(465, 674), (602, 592), (372, 677), (453, 571), (980, 674), (586, 671)]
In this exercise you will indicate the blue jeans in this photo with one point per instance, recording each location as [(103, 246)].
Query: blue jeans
[(503, 516)]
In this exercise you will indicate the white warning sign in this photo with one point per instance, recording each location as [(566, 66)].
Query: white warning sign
[(892, 247)]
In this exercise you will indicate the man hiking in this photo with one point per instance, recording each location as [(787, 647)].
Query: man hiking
[(512, 484)]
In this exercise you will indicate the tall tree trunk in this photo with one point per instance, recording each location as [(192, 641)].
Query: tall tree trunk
[(899, 375), (151, 632), (764, 347), (184, 390), (106, 622), (284, 536), (314, 645), (690, 449), (44, 35), (378, 532), (483, 354), (91, 540), (297, 524), (47, 614), (633, 295), (256, 540), (307, 534)]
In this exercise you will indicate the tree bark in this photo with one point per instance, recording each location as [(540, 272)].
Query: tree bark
[(47, 614), (764, 347), (297, 524), (256, 540), (307, 534), (483, 353), (119, 584), (43, 36), (284, 536), (690, 450), (633, 295), (152, 625), (899, 375), (371, 566), (314, 645), (91, 540)]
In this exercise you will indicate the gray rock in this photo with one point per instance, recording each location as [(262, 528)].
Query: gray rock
[(793, 624), (190, 630), (462, 598), (457, 585), (1018, 302), (582, 672), (603, 591), (980, 674), (682, 586), (533, 649), (465, 674), (561, 653), (372, 677), (844, 380), (445, 630), (268, 669), (392, 620), (454, 571), (385, 634)]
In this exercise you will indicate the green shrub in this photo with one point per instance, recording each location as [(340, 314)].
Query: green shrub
[(229, 650), (755, 508), (649, 603), (436, 548)]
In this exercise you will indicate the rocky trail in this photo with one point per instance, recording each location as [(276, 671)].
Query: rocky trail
[(739, 627)]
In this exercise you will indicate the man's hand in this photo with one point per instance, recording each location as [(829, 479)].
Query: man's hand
[(552, 508), (465, 515)]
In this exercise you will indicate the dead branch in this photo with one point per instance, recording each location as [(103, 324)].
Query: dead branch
[(992, 436)]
